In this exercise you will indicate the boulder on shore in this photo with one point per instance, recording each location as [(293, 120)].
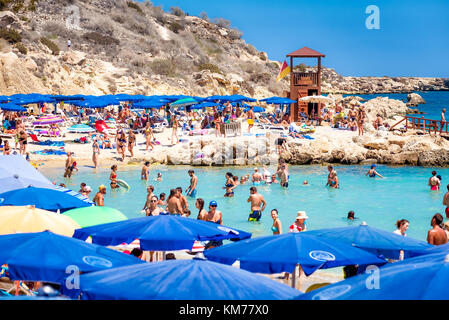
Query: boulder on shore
[(414, 99)]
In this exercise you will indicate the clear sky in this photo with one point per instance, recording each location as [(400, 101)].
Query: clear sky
[(413, 39)]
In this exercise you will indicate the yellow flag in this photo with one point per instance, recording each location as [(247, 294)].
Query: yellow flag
[(283, 72)]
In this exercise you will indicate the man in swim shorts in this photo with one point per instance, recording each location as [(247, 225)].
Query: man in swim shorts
[(446, 201), (434, 182), (250, 118), (145, 171), (191, 190), (283, 176), (69, 165), (257, 177), (256, 200)]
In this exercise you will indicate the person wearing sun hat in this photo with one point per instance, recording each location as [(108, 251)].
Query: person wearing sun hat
[(99, 197), (299, 224)]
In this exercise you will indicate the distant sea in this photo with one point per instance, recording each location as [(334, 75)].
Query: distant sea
[(435, 102)]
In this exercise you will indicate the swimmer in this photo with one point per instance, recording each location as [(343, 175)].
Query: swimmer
[(99, 197), (145, 171), (150, 190), (273, 179), (434, 182), (283, 175), (159, 177), (184, 203), (174, 203), (372, 173), (191, 190), (229, 185), (256, 177), (162, 201), (113, 177), (305, 183), (256, 200), (277, 226), (351, 215), (236, 180), (332, 178)]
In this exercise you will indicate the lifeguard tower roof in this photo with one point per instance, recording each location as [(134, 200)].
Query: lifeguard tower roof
[(305, 53)]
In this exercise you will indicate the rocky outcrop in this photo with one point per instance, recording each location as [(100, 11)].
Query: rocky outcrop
[(414, 99)]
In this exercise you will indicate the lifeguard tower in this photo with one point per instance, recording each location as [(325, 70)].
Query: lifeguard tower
[(303, 84)]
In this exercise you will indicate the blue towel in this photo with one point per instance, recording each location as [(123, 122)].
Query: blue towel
[(308, 137)]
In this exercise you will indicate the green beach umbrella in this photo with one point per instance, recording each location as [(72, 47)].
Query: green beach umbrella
[(184, 102), (91, 216)]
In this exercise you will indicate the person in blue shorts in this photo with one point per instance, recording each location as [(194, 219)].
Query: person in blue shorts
[(258, 204), (191, 190)]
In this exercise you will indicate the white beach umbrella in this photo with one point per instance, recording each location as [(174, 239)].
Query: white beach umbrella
[(317, 99)]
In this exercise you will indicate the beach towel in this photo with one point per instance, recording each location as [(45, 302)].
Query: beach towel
[(52, 143), (48, 152)]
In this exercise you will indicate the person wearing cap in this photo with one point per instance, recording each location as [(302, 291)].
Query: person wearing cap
[(300, 222), (215, 216), (87, 191), (372, 173), (99, 197), (256, 200)]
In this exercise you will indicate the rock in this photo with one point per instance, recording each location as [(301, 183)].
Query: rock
[(379, 144), (434, 158), (7, 19), (414, 99), (394, 148), (74, 57), (263, 56)]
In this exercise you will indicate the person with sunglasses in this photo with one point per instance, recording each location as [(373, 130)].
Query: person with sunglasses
[(153, 209), (213, 216)]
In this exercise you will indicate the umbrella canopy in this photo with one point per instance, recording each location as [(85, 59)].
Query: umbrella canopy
[(279, 100), (181, 280), (29, 219), (371, 239), (42, 198), (17, 173), (48, 120), (184, 102), (420, 278), (45, 256), (80, 128), (255, 109), (93, 215), (12, 107), (150, 104), (206, 105), (317, 99), (281, 253), (162, 232)]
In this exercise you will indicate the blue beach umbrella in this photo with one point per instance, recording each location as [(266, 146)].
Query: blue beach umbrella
[(420, 278), (371, 239), (149, 104), (186, 279), (42, 198), (12, 107), (45, 256), (163, 232), (206, 105), (255, 109), (281, 253), (17, 173), (184, 102)]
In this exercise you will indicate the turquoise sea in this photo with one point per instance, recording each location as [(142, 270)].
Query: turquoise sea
[(380, 202)]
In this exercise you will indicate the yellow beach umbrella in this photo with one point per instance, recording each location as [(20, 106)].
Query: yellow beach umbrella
[(23, 219)]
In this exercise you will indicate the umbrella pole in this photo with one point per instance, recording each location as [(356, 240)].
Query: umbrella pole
[(294, 278), (163, 255)]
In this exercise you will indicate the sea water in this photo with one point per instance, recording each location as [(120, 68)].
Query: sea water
[(402, 194)]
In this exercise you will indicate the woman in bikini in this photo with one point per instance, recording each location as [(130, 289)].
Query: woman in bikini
[(121, 142), (217, 122), (277, 226), (131, 142), (175, 130), (6, 148), (202, 214), (148, 136), (95, 152), (361, 120), (214, 216), (229, 185), (153, 209), (23, 141), (113, 177)]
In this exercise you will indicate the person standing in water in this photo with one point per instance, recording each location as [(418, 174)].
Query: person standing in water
[(174, 203), (202, 213), (436, 236), (229, 185), (372, 173), (69, 165), (256, 177), (113, 177), (256, 200), (191, 190), (277, 225), (184, 202), (434, 182), (332, 178), (446, 201), (99, 197), (145, 171)]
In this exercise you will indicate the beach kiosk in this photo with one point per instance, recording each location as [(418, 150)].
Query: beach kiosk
[(303, 84)]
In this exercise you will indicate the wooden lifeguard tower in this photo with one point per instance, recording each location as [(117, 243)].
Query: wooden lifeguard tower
[(303, 84)]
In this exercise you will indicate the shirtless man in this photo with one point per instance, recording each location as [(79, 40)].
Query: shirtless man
[(191, 190), (184, 202), (283, 176), (69, 165), (174, 203), (446, 201), (436, 236), (443, 120), (256, 200), (379, 122), (145, 171), (250, 118), (150, 194), (352, 114), (257, 177), (99, 197), (434, 182), (332, 179)]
